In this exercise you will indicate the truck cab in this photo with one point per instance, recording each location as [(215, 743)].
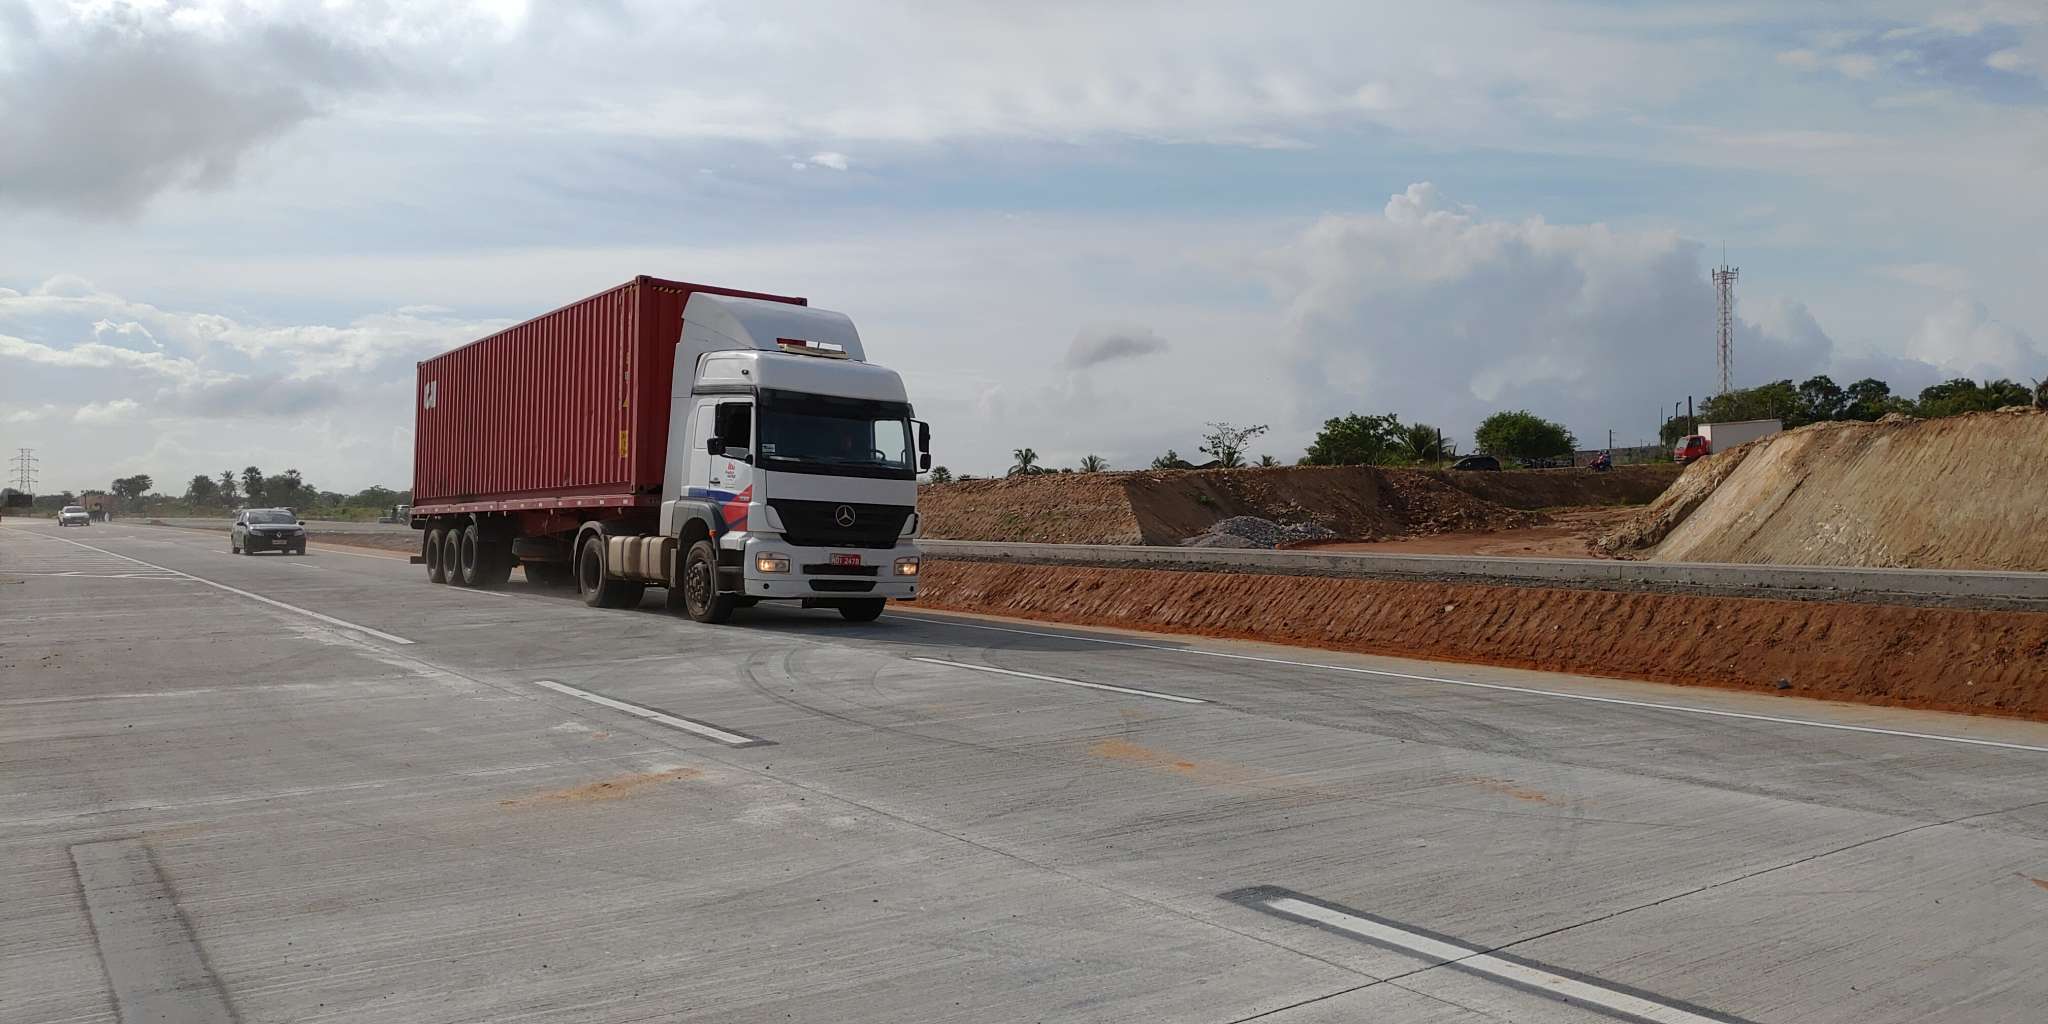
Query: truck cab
[(1690, 448), (792, 464)]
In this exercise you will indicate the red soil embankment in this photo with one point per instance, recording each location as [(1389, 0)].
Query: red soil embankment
[(1983, 662)]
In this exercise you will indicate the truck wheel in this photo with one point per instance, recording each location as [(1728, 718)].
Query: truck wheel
[(598, 589), (699, 585), (430, 549), (483, 565), (862, 611), (451, 556)]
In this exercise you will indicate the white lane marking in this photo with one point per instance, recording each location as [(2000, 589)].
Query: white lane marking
[(239, 592), (731, 739), (1176, 698), (1505, 688), (1478, 961)]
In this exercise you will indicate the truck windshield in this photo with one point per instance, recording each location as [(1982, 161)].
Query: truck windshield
[(835, 436)]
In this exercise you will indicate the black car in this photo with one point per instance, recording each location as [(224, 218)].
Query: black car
[(267, 529), (1478, 462)]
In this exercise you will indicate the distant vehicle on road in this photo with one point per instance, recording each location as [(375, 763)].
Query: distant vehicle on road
[(74, 515), (1481, 463), (267, 529), (1723, 436)]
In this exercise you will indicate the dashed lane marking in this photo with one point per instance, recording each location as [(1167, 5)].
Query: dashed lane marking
[(239, 592), (1133, 691), (704, 729)]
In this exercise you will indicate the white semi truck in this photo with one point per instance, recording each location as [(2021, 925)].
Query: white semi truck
[(779, 465)]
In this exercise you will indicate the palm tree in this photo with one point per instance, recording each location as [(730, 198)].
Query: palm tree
[(1268, 462), (1094, 464), (1027, 462), (1421, 442), (227, 486)]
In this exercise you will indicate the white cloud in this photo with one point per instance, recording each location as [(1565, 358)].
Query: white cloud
[(1434, 312), (118, 410), (1963, 339), (1939, 276), (835, 161)]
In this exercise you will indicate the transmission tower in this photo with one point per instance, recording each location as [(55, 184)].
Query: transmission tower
[(25, 470), (1724, 286)]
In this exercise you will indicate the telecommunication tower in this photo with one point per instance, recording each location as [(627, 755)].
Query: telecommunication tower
[(24, 470), (1724, 286)]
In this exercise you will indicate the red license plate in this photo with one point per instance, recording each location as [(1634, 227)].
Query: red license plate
[(838, 559)]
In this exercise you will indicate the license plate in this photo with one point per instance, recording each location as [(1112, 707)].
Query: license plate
[(838, 559)]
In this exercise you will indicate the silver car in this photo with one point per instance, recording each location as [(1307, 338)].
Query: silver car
[(74, 515), (267, 529)]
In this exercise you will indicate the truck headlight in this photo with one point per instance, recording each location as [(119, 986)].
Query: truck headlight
[(906, 566), (771, 561)]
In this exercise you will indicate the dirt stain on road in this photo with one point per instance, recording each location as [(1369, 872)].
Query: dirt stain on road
[(1131, 753), (1506, 788), (2042, 882), (608, 789)]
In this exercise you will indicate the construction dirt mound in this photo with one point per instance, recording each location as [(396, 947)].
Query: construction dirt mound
[(1172, 506), (1941, 658), (1962, 492)]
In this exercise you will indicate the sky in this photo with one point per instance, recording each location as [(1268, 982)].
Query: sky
[(228, 231)]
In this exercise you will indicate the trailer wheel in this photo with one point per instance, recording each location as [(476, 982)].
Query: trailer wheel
[(867, 610), (483, 564), (598, 589), (430, 549), (451, 556), (699, 584)]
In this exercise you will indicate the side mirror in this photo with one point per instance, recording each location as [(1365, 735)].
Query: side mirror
[(924, 445), (715, 445)]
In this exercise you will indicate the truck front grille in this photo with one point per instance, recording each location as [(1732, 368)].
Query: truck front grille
[(817, 524), (828, 569), (842, 586)]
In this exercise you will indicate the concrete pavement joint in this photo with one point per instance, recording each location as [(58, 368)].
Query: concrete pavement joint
[(1505, 688)]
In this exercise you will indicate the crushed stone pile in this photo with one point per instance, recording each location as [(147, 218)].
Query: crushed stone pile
[(1961, 492), (1255, 532)]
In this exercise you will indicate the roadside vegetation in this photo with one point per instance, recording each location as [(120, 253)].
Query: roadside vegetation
[(249, 488)]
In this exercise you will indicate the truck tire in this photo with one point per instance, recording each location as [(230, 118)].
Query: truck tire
[(698, 582), (451, 556), (484, 565), (867, 610), (430, 549), (598, 589)]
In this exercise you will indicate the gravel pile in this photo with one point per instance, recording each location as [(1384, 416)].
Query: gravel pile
[(1254, 532)]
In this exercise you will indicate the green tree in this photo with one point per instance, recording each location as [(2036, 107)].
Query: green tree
[(1093, 464), (1226, 442), (1821, 399), (1961, 395), (228, 493), (1870, 399), (1421, 442), (1171, 460), (201, 491), (1778, 400), (372, 497), (1355, 440), (130, 489), (1026, 464), (1523, 435), (252, 485), (941, 475), (1267, 462)]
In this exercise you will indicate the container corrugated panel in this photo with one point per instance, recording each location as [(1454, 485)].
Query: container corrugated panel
[(570, 404)]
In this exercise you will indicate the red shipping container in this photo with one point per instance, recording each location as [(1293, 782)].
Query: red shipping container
[(569, 409)]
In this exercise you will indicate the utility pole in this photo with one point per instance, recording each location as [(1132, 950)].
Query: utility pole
[(1724, 287)]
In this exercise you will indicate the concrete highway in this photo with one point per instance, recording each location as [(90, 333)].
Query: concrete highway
[(321, 789)]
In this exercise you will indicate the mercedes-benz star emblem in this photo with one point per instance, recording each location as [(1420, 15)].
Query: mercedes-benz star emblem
[(843, 515)]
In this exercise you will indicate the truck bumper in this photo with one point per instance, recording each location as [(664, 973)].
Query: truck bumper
[(816, 574)]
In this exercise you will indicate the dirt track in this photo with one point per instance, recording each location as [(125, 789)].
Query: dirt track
[(1993, 662)]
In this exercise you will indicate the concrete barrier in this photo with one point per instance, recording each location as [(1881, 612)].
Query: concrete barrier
[(2011, 588)]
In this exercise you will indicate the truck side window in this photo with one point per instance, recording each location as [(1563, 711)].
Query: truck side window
[(734, 425)]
